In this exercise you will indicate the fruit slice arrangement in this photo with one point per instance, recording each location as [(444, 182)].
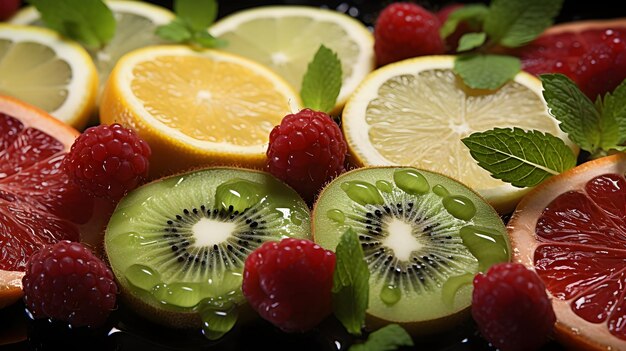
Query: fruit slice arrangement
[(571, 231), (178, 245), (424, 237)]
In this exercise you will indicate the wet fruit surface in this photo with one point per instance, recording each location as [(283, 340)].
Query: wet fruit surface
[(126, 330), (585, 232), (38, 204)]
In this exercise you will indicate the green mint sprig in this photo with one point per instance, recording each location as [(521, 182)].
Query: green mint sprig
[(350, 283), (505, 23), (89, 22), (193, 17), (387, 338), (322, 81), (522, 158), (597, 128), (526, 158)]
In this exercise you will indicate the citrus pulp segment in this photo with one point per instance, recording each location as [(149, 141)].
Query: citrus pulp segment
[(285, 38), (38, 203), (41, 68), (571, 231), (136, 23), (415, 113), (197, 107), (424, 237)]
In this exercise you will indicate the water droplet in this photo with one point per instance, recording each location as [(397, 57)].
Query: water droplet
[(459, 206), (441, 190), (241, 194), (487, 245), (362, 192), (453, 285), (411, 181), (142, 277), (218, 317), (336, 215), (384, 186), (390, 294)]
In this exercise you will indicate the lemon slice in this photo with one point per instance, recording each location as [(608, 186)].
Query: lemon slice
[(197, 107), (416, 112), (40, 68), (136, 24), (285, 38)]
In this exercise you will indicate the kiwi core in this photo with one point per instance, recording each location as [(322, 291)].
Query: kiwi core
[(401, 239), (209, 232)]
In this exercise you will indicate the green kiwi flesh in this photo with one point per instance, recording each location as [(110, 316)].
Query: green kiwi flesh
[(424, 237), (177, 246)]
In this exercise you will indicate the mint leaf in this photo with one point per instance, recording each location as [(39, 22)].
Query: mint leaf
[(470, 41), (322, 81), (206, 40), (579, 117), (471, 13), (513, 23), (522, 158), (175, 31), (90, 22), (614, 111), (387, 338), (481, 71), (198, 14), (350, 283), (193, 17)]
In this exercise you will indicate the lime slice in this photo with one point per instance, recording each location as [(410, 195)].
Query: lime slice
[(40, 68), (285, 38), (136, 24), (415, 113)]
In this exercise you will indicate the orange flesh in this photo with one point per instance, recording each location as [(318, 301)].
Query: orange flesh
[(226, 105)]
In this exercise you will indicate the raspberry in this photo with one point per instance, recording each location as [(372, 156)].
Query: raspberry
[(511, 308), (405, 30), (289, 283), (67, 282), (306, 151), (108, 161)]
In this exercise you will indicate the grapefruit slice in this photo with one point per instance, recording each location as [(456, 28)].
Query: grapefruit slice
[(572, 231), (592, 53), (38, 204)]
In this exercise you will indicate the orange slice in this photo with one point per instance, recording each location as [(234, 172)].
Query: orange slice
[(572, 231)]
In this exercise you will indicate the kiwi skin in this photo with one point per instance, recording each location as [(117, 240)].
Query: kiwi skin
[(430, 327), (143, 304)]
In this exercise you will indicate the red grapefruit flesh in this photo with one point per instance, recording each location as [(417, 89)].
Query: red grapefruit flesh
[(38, 203), (591, 53), (572, 231)]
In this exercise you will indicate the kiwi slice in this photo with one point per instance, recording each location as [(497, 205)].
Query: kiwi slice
[(424, 237), (178, 245)]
